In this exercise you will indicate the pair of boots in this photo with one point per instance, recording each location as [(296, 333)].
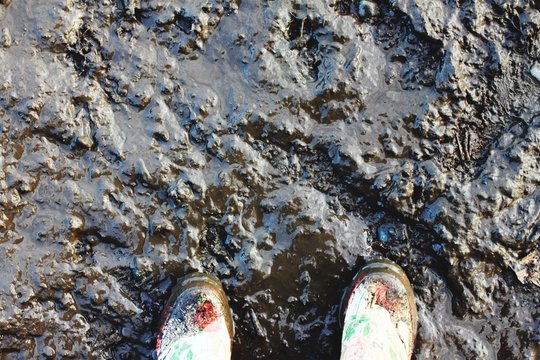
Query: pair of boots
[(378, 317)]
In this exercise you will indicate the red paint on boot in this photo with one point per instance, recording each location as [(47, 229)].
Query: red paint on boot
[(381, 298), (206, 314)]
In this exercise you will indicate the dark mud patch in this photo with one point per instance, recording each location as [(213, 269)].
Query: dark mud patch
[(277, 145)]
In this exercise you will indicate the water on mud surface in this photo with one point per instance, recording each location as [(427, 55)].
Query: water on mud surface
[(277, 145)]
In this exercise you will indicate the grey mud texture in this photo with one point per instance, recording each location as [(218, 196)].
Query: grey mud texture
[(277, 145)]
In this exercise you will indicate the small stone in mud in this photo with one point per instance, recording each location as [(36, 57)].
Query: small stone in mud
[(47, 350), (3, 220), (74, 223), (85, 142), (141, 95), (25, 186), (5, 2), (160, 224), (161, 134), (13, 198), (5, 38), (383, 234), (180, 191), (535, 71), (367, 9), (259, 330), (167, 87)]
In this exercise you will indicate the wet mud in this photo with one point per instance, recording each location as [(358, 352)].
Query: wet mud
[(276, 145)]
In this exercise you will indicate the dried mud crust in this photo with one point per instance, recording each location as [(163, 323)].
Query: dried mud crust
[(276, 145)]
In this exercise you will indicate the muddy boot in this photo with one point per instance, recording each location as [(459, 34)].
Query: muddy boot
[(378, 314), (197, 321)]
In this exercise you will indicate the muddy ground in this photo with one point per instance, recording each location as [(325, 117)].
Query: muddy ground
[(277, 145)]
